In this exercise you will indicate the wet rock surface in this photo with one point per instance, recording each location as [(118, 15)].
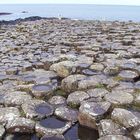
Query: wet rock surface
[(52, 126), (37, 109), (69, 79)]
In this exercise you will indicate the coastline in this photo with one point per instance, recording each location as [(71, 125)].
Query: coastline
[(69, 78), (35, 18), (32, 18)]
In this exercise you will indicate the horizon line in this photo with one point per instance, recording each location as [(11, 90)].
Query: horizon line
[(76, 4)]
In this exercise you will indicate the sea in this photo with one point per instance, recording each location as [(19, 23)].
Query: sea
[(73, 11)]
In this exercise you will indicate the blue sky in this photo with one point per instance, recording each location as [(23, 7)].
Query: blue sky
[(119, 2)]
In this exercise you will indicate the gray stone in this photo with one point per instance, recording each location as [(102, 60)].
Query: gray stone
[(43, 90), (137, 100), (37, 109), (108, 127), (66, 113), (15, 98), (8, 113), (57, 100), (12, 71), (137, 85), (2, 131), (136, 134), (97, 67), (69, 83), (128, 66), (125, 118), (89, 72), (64, 68), (91, 112), (114, 137), (75, 98), (111, 70), (20, 125), (119, 97), (127, 75), (97, 92), (91, 82)]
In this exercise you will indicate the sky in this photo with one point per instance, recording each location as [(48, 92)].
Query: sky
[(114, 2)]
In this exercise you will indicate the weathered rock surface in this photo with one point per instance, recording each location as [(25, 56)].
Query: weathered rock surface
[(64, 68), (108, 127), (37, 109), (90, 113), (119, 98), (49, 66), (74, 99), (8, 113), (127, 75), (20, 125), (136, 134), (114, 137), (125, 118), (43, 90), (57, 100), (2, 131), (15, 98), (66, 113), (70, 83)]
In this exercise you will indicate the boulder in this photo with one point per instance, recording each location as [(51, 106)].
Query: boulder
[(75, 98), (8, 113), (37, 109), (70, 83), (125, 118), (119, 97), (108, 127), (90, 113), (64, 68), (66, 113), (20, 125)]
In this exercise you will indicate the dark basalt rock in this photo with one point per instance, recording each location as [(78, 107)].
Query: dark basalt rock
[(5, 14), (52, 65)]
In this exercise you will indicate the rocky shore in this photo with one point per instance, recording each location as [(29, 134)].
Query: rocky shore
[(69, 80)]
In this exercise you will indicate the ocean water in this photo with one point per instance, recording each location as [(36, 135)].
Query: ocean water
[(77, 11)]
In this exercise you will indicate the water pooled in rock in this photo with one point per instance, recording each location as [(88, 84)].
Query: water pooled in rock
[(52, 123), (43, 109), (78, 132)]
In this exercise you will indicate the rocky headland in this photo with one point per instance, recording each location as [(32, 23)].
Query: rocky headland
[(4, 13), (69, 80)]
